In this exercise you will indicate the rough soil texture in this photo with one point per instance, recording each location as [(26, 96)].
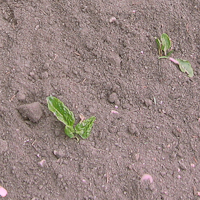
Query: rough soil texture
[(100, 58)]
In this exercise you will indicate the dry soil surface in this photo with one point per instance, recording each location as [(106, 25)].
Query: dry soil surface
[(100, 58)]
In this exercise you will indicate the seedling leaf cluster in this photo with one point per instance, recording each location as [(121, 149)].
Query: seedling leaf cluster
[(164, 45), (63, 114)]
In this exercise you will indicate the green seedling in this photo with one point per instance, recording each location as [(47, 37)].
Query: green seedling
[(164, 45), (63, 114)]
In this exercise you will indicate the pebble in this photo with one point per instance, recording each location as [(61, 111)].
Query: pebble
[(40, 187), (147, 177), (59, 153), (32, 111), (176, 132), (115, 59), (32, 74), (60, 176), (113, 129), (3, 146), (92, 110), (148, 102), (44, 75), (57, 132), (112, 19), (42, 163), (182, 165), (133, 130), (3, 192), (21, 96), (113, 98)]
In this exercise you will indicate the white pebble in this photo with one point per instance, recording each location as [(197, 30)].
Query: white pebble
[(3, 192), (112, 19), (147, 177)]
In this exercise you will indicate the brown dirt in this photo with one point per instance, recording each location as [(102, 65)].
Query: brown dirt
[(99, 56)]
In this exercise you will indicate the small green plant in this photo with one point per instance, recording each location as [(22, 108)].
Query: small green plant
[(164, 45), (63, 114)]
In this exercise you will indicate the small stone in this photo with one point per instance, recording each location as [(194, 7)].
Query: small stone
[(114, 59), (40, 187), (21, 96), (137, 156), (60, 176), (3, 146), (133, 130), (32, 111), (147, 177), (32, 74), (3, 192), (148, 102), (176, 132), (92, 110), (59, 153), (37, 27), (42, 163), (46, 66), (163, 173), (182, 165), (173, 155), (113, 98), (113, 129), (44, 75), (112, 19), (57, 132)]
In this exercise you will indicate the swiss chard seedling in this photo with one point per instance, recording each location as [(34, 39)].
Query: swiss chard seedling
[(63, 114), (164, 45)]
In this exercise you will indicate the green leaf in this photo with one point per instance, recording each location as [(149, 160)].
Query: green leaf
[(61, 111), (159, 44), (84, 128), (69, 130), (166, 43), (169, 53), (163, 57), (185, 66)]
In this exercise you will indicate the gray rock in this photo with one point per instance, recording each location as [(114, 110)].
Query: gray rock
[(32, 111)]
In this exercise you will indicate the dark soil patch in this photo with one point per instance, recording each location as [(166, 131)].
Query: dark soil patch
[(99, 58)]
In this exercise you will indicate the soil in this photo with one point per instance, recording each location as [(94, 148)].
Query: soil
[(100, 58)]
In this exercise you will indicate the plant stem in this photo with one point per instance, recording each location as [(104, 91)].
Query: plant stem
[(174, 60)]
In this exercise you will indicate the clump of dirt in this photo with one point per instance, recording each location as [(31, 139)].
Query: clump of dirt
[(100, 58)]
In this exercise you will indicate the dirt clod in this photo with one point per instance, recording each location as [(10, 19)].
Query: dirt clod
[(148, 102), (113, 98), (133, 130), (21, 96), (32, 111), (3, 146)]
